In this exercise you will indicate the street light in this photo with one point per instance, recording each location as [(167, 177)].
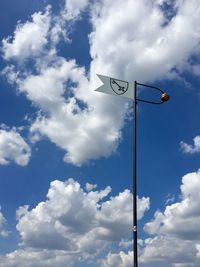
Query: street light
[(163, 98)]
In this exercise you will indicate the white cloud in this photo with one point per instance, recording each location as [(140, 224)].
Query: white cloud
[(143, 205), (33, 258), (176, 230), (170, 250), (3, 232), (136, 39), (120, 259), (191, 149), (75, 218), (80, 121), (90, 187), (13, 148), (87, 125), (73, 8), (29, 38), (126, 243), (73, 225)]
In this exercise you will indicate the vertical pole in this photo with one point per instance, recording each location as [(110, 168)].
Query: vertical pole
[(135, 249)]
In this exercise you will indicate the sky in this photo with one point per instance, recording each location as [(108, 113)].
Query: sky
[(66, 151)]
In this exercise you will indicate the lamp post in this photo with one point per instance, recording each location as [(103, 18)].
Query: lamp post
[(163, 98)]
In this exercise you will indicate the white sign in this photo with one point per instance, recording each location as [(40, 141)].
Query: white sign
[(116, 87)]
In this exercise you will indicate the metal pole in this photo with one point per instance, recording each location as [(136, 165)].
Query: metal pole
[(135, 249)]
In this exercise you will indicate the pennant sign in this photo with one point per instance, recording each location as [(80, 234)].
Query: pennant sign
[(116, 87)]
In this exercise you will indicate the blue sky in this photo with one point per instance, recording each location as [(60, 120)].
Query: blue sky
[(66, 150)]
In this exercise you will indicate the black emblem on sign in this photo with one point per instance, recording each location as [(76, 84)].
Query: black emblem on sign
[(118, 86)]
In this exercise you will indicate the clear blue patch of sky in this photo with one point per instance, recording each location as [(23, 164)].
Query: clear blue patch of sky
[(14, 106), (13, 11)]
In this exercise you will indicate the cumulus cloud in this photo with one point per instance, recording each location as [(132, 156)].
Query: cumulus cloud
[(87, 125), (76, 218), (73, 225), (73, 8), (143, 204), (29, 39), (191, 149), (3, 232), (13, 148), (170, 250), (83, 123), (150, 48), (176, 230), (31, 258), (120, 259), (90, 187)]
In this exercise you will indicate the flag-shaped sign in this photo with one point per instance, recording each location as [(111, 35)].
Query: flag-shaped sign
[(116, 87)]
